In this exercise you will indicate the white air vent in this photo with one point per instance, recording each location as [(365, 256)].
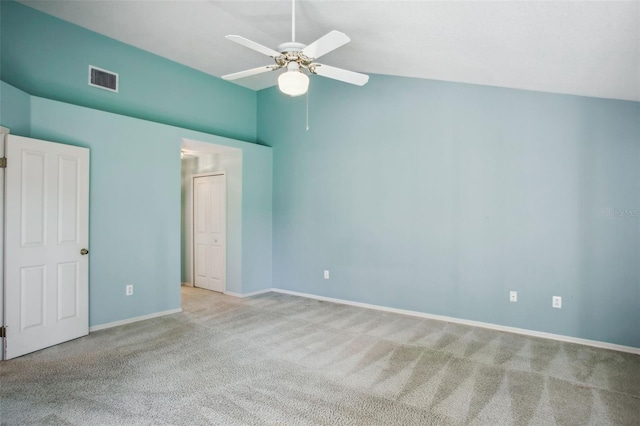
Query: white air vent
[(103, 79)]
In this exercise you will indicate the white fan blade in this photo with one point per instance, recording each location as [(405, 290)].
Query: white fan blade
[(340, 74), (325, 44), (253, 45), (248, 73)]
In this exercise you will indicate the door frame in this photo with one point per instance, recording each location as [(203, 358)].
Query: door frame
[(4, 131), (193, 221)]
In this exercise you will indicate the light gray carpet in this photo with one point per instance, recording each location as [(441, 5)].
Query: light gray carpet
[(282, 360)]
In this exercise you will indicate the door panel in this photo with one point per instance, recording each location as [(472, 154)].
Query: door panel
[(47, 224), (68, 290), (32, 285), (68, 200), (33, 211), (201, 264), (216, 263), (209, 209)]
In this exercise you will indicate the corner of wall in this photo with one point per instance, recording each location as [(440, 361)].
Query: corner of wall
[(15, 109)]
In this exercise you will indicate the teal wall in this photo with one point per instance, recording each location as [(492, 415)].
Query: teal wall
[(430, 196), (15, 109), (135, 160), (257, 219), (441, 197), (47, 57), (135, 203)]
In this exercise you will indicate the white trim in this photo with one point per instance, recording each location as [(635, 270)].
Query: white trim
[(253, 293), (132, 320), (205, 174), (551, 336), (3, 131), (515, 330), (187, 284)]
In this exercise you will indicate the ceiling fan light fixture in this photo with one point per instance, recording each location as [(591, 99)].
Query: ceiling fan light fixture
[(295, 55), (293, 83)]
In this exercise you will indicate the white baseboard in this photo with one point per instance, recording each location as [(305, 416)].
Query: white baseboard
[(136, 319), (187, 284), (253, 293), (559, 337)]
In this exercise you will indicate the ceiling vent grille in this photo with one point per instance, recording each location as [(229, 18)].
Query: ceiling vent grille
[(103, 79)]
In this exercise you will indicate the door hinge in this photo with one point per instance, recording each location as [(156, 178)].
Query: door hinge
[(3, 331), (3, 163)]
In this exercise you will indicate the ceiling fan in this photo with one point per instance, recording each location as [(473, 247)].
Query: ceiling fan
[(298, 58)]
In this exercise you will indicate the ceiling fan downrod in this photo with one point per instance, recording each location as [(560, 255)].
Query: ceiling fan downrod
[(293, 20)]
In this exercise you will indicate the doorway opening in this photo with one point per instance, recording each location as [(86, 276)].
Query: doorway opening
[(206, 159)]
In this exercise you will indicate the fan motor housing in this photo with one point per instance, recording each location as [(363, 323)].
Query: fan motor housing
[(292, 52)]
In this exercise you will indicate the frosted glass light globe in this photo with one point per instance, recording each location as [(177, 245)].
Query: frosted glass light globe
[(293, 83)]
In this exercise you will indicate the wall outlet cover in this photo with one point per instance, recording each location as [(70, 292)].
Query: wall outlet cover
[(556, 302)]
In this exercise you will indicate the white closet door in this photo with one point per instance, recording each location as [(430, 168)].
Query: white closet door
[(209, 225), (47, 234)]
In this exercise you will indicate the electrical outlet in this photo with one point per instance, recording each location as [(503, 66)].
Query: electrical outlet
[(129, 290), (556, 302), (513, 296), (326, 275)]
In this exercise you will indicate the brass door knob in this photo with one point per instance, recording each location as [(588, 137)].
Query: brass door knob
[(84, 251)]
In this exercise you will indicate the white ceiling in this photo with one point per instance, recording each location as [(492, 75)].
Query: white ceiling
[(575, 47)]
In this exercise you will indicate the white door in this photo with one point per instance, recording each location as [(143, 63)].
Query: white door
[(47, 232), (209, 231)]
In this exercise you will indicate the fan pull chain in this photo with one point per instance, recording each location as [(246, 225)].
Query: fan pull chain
[(307, 110)]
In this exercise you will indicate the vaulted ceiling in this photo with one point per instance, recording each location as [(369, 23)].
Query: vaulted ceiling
[(574, 47)]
